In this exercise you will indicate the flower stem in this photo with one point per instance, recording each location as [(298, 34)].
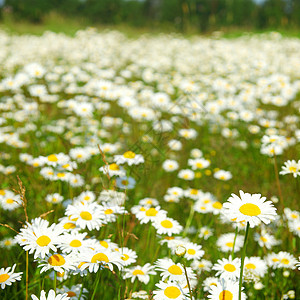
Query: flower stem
[(236, 232), (277, 182), (55, 275), (188, 282), (242, 261), (96, 285), (27, 279)]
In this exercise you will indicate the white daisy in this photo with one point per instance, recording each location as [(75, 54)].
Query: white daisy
[(7, 276), (250, 208)]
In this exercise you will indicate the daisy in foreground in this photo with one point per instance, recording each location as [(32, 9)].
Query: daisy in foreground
[(225, 290), (170, 290), (250, 208), (51, 296), (7, 277)]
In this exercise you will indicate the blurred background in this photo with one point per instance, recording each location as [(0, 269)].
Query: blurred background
[(179, 15)]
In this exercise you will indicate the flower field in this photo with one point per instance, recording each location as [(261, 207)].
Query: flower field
[(158, 167)]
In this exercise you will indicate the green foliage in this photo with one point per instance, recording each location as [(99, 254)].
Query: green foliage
[(202, 14)]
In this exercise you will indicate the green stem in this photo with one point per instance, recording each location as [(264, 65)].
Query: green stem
[(242, 261), (189, 221), (96, 284), (236, 232), (54, 281), (188, 282)]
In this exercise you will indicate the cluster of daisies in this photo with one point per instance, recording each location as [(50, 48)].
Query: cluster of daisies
[(128, 150)]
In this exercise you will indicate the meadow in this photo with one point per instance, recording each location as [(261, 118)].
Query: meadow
[(149, 167)]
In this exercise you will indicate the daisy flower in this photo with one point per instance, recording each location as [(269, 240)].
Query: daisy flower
[(209, 282), (165, 225), (10, 201), (223, 175), (172, 271), (291, 167), (59, 262), (148, 202), (51, 296), (54, 198), (113, 170), (170, 165), (250, 208), (126, 183), (265, 240), (7, 276), (146, 214), (130, 158), (140, 272), (286, 260), (87, 215), (193, 251), (255, 265), (225, 242), (128, 256), (74, 292), (73, 242), (205, 232), (170, 290), (225, 290), (95, 259), (201, 265), (186, 174), (198, 163), (227, 268), (38, 238)]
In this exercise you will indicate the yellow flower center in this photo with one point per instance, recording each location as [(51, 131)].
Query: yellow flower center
[(172, 292), (201, 265), (138, 272), (104, 244), (250, 266), (225, 295), (43, 241), (86, 198), (293, 169), (217, 205), (71, 294), (294, 216), (194, 191), (75, 243), (85, 215), (2, 192), (114, 167), (285, 261), (124, 182), (125, 257), (3, 277), (275, 259), (166, 224), (175, 270), (151, 212), (108, 211), (229, 244), (99, 257), (61, 175), (263, 239), (229, 267), (52, 158), (60, 274), (56, 260), (199, 165), (9, 201), (250, 209), (129, 154), (191, 251), (69, 225), (7, 243)]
